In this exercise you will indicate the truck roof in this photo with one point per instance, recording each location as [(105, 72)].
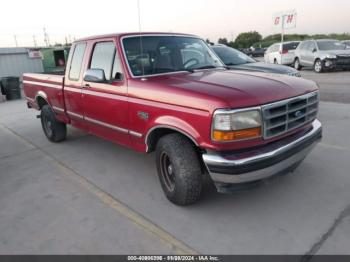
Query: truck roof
[(130, 33)]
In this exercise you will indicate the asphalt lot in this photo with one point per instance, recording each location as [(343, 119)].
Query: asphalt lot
[(89, 196), (334, 86)]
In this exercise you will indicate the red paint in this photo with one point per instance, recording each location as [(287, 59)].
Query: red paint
[(184, 101), (290, 19)]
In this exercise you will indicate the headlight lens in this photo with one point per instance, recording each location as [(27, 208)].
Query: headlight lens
[(244, 120), (236, 125), (331, 56), (222, 122)]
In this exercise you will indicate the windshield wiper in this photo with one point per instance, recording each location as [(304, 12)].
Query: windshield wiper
[(233, 64), (192, 70), (204, 67), (188, 70)]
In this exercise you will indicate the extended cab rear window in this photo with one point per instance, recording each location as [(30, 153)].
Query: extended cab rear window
[(77, 60)]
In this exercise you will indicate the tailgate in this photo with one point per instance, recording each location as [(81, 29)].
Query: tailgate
[(45, 86)]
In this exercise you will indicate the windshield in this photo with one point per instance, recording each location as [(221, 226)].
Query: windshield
[(330, 45), (165, 54), (232, 56)]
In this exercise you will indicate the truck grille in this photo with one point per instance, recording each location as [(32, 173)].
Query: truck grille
[(286, 115)]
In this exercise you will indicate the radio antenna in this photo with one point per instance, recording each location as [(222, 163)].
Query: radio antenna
[(140, 33)]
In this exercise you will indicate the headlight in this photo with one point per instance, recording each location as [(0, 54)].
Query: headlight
[(331, 56), (297, 74), (236, 125)]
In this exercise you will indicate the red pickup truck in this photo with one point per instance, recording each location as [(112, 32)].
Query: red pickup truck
[(171, 94)]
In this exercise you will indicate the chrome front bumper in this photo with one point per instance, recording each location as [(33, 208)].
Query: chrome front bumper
[(256, 164)]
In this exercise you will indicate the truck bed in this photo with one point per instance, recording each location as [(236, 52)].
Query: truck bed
[(49, 86)]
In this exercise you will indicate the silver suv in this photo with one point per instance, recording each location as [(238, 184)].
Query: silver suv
[(322, 55)]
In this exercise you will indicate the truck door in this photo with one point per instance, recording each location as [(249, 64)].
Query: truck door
[(105, 103), (72, 86)]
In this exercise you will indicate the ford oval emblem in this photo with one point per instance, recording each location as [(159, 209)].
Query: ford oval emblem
[(298, 113)]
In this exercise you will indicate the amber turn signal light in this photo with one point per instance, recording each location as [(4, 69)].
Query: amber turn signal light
[(236, 135)]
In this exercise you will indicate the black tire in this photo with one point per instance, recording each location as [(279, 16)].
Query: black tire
[(275, 61), (297, 65), (179, 169), (318, 66), (54, 130)]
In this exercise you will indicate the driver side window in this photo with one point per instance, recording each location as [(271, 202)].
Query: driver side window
[(103, 57)]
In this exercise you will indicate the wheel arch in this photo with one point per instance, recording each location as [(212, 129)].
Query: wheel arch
[(158, 131), (41, 99)]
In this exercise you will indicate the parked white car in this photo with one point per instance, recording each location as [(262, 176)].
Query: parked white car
[(276, 54)]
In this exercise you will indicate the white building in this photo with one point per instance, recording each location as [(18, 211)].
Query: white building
[(19, 60)]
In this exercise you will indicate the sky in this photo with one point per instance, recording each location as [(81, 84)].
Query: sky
[(206, 18)]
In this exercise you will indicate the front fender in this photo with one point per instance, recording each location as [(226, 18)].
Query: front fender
[(176, 124)]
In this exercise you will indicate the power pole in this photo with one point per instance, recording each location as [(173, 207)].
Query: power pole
[(34, 40), (45, 40), (46, 37), (282, 37), (16, 40), (232, 37)]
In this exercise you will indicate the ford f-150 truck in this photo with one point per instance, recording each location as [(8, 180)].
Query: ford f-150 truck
[(171, 94)]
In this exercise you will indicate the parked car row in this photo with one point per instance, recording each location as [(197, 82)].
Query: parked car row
[(237, 60), (322, 55)]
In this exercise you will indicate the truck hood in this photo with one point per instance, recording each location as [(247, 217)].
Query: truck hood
[(242, 89), (212, 89)]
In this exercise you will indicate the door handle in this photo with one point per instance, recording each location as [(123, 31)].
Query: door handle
[(86, 85)]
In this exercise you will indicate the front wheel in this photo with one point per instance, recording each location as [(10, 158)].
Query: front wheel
[(179, 169), (54, 130), (318, 66)]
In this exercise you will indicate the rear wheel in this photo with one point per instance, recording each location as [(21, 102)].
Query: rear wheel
[(179, 169), (318, 66), (54, 130), (297, 65)]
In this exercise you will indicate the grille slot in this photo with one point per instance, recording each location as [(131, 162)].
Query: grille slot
[(286, 115), (343, 60)]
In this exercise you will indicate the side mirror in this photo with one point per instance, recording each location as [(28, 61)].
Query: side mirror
[(95, 76), (314, 50)]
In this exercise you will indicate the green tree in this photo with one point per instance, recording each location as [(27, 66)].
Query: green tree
[(209, 42), (232, 44), (247, 39), (223, 41)]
